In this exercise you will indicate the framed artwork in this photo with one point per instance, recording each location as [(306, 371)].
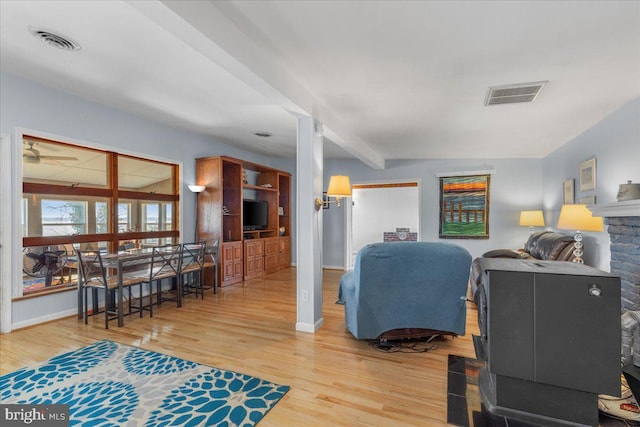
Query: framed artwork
[(587, 200), (587, 174), (464, 207), (569, 197)]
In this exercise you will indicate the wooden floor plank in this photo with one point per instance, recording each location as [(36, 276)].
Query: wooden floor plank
[(250, 328)]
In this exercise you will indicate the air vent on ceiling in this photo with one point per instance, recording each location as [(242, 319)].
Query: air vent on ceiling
[(510, 94), (53, 39)]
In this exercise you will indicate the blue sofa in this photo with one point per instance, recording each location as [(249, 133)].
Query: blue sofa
[(398, 285)]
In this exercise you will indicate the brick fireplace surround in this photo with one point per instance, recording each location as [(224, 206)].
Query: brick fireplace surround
[(623, 221)]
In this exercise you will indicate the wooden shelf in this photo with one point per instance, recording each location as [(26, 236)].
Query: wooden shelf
[(258, 187)]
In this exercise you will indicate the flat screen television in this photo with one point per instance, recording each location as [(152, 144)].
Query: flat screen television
[(255, 214)]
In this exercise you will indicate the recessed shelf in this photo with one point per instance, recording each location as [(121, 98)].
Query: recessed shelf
[(258, 187)]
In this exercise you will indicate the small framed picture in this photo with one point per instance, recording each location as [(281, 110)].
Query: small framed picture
[(587, 174), (568, 192), (587, 200)]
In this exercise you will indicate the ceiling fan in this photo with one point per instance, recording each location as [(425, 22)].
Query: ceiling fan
[(32, 155)]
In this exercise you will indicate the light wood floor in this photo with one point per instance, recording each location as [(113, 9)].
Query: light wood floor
[(250, 328)]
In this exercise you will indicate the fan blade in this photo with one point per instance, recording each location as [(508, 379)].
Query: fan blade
[(58, 253), (33, 255), (58, 157), (37, 267)]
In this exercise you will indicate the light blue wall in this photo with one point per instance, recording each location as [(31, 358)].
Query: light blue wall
[(30, 105), (515, 186), (615, 143)]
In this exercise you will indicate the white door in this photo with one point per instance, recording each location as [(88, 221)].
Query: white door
[(377, 208)]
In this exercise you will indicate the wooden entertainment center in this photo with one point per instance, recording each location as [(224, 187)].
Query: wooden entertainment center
[(244, 254)]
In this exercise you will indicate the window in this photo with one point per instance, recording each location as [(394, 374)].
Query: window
[(124, 217), (63, 217), (150, 216), (69, 192), (101, 217)]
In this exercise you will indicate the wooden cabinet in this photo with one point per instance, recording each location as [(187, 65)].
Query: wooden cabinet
[(244, 254)]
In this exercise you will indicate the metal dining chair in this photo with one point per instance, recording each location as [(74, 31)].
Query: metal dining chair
[(192, 268), (93, 278), (211, 261), (166, 261)]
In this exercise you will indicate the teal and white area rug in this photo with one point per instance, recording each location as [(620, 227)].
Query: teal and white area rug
[(110, 384)]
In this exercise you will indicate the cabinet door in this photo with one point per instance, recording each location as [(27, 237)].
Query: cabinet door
[(271, 251), (284, 256), (577, 333), (253, 258), (237, 262), (510, 324), (231, 257)]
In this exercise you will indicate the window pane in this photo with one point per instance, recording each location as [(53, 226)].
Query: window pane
[(143, 215), (145, 176), (61, 267), (102, 215), (63, 217), (61, 164), (150, 216), (48, 215), (168, 219), (124, 217)]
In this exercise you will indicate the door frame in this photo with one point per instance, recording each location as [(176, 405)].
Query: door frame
[(348, 214), (7, 230)]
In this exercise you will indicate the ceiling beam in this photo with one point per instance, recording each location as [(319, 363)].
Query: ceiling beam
[(204, 27)]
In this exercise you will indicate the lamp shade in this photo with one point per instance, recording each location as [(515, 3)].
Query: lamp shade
[(339, 186), (196, 188), (531, 219), (578, 217)]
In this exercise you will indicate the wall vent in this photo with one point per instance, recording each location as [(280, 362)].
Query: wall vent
[(511, 94)]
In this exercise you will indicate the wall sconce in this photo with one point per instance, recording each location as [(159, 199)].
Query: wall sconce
[(579, 218), (197, 188), (339, 187), (531, 219)]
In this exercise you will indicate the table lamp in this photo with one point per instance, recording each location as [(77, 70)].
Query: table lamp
[(531, 219), (579, 218)]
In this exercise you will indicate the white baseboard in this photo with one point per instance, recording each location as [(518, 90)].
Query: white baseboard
[(333, 267), (326, 267), (42, 319), (308, 327)]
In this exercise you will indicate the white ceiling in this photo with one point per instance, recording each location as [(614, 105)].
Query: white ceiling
[(388, 79)]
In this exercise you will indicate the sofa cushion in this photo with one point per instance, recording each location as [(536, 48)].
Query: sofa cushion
[(505, 253), (547, 245)]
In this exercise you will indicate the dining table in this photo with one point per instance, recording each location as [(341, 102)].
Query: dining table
[(119, 264)]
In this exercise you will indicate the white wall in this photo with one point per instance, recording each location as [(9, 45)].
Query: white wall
[(29, 105), (615, 143)]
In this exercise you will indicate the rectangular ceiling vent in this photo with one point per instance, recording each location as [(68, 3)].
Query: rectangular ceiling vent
[(510, 94)]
